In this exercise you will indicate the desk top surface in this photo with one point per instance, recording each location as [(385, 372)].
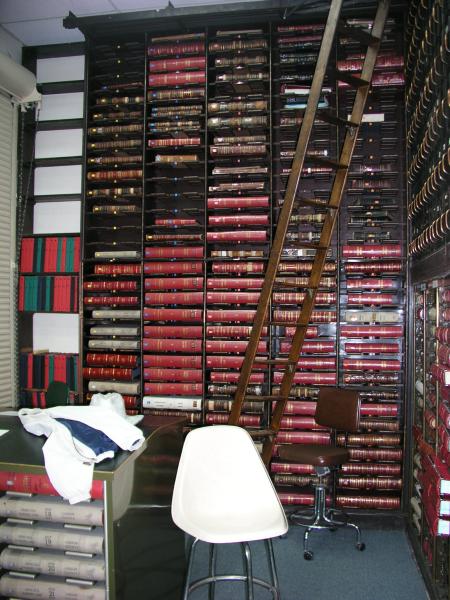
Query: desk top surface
[(21, 451)]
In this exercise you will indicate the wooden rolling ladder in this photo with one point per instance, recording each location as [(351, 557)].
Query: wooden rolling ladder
[(341, 165)]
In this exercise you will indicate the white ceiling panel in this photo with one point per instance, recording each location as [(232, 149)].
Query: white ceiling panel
[(30, 10), (47, 31)]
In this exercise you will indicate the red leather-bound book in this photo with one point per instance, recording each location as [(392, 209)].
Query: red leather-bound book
[(372, 251), (222, 419), (233, 377), (238, 267), (299, 407), (304, 267), (176, 49), (238, 283), (317, 316), (174, 298), (372, 283), (169, 387), (230, 316), (27, 255), (173, 314), (303, 437), (173, 283), (444, 414), (181, 78), (300, 423), (107, 373), (177, 64), (117, 269), (371, 378), (443, 334), (30, 483), (240, 202), (440, 374), (444, 355), (380, 502), (373, 267), (298, 297), (369, 483), (231, 331), (236, 236), (173, 252), (234, 346), (287, 498), (172, 360), (232, 297), (308, 378), (310, 347), (171, 345), (368, 439), (228, 362), (311, 332), (297, 468), (173, 331), (158, 268), (228, 220), (111, 300), (386, 469), (110, 285), (379, 410), (160, 374), (123, 360), (383, 454), (369, 331), (362, 364), (371, 347), (371, 299)]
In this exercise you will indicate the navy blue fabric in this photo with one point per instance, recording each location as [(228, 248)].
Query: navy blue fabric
[(94, 438)]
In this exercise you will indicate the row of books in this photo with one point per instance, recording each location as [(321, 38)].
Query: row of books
[(38, 370), (50, 255), (47, 293)]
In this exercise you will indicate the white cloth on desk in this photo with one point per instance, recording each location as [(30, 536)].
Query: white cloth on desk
[(69, 462)]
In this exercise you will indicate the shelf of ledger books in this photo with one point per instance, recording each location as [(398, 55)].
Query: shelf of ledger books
[(238, 225), (173, 331), (430, 480), (112, 227)]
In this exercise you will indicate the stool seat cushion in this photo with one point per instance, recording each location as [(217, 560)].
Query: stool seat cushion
[(314, 454)]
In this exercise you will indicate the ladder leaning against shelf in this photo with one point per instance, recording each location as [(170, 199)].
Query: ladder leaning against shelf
[(331, 206)]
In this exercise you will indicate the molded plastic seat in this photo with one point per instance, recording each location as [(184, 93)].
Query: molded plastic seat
[(312, 454), (57, 394), (223, 494)]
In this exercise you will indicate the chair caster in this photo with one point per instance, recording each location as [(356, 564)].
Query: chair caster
[(361, 546), (308, 555)]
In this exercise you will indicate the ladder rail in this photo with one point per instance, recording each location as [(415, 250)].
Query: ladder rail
[(286, 209)]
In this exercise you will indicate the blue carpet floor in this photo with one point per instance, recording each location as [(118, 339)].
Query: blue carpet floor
[(386, 570)]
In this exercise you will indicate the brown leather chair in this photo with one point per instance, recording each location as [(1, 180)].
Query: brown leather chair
[(340, 410)]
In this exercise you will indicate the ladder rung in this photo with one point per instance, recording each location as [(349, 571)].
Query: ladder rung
[(264, 398), (361, 35), (351, 79), (311, 202), (309, 245), (327, 117), (261, 432), (329, 162)]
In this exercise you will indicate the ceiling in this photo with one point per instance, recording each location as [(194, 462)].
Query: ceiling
[(39, 22)]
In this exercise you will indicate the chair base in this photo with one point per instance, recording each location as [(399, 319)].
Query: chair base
[(247, 577), (322, 518)]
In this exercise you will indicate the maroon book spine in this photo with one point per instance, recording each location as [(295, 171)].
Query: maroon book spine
[(173, 314), (300, 423), (177, 64), (287, 498), (371, 378), (376, 483), (374, 347), (372, 251), (384, 454), (170, 360), (117, 269), (232, 297), (231, 331), (244, 202), (173, 283), (161, 374), (439, 373), (222, 419), (299, 407), (298, 297), (233, 377), (361, 364), (236, 346), (236, 236), (443, 334), (387, 469), (174, 298), (444, 413), (228, 362), (297, 468), (303, 437), (165, 268), (177, 389), (128, 360), (171, 345), (230, 316), (110, 285), (373, 267), (369, 331), (227, 220), (368, 439), (111, 300), (444, 355), (379, 410), (173, 331), (380, 502), (238, 283), (305, 378), (238, 267), (372, 299), (310, 347), (311, 332), (174, 252), (181, 78), (372, 283), (107, 373), (29, 483), (317, 316), (176, 49)]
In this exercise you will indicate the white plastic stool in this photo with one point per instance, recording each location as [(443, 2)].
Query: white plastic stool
[(223, 494)]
